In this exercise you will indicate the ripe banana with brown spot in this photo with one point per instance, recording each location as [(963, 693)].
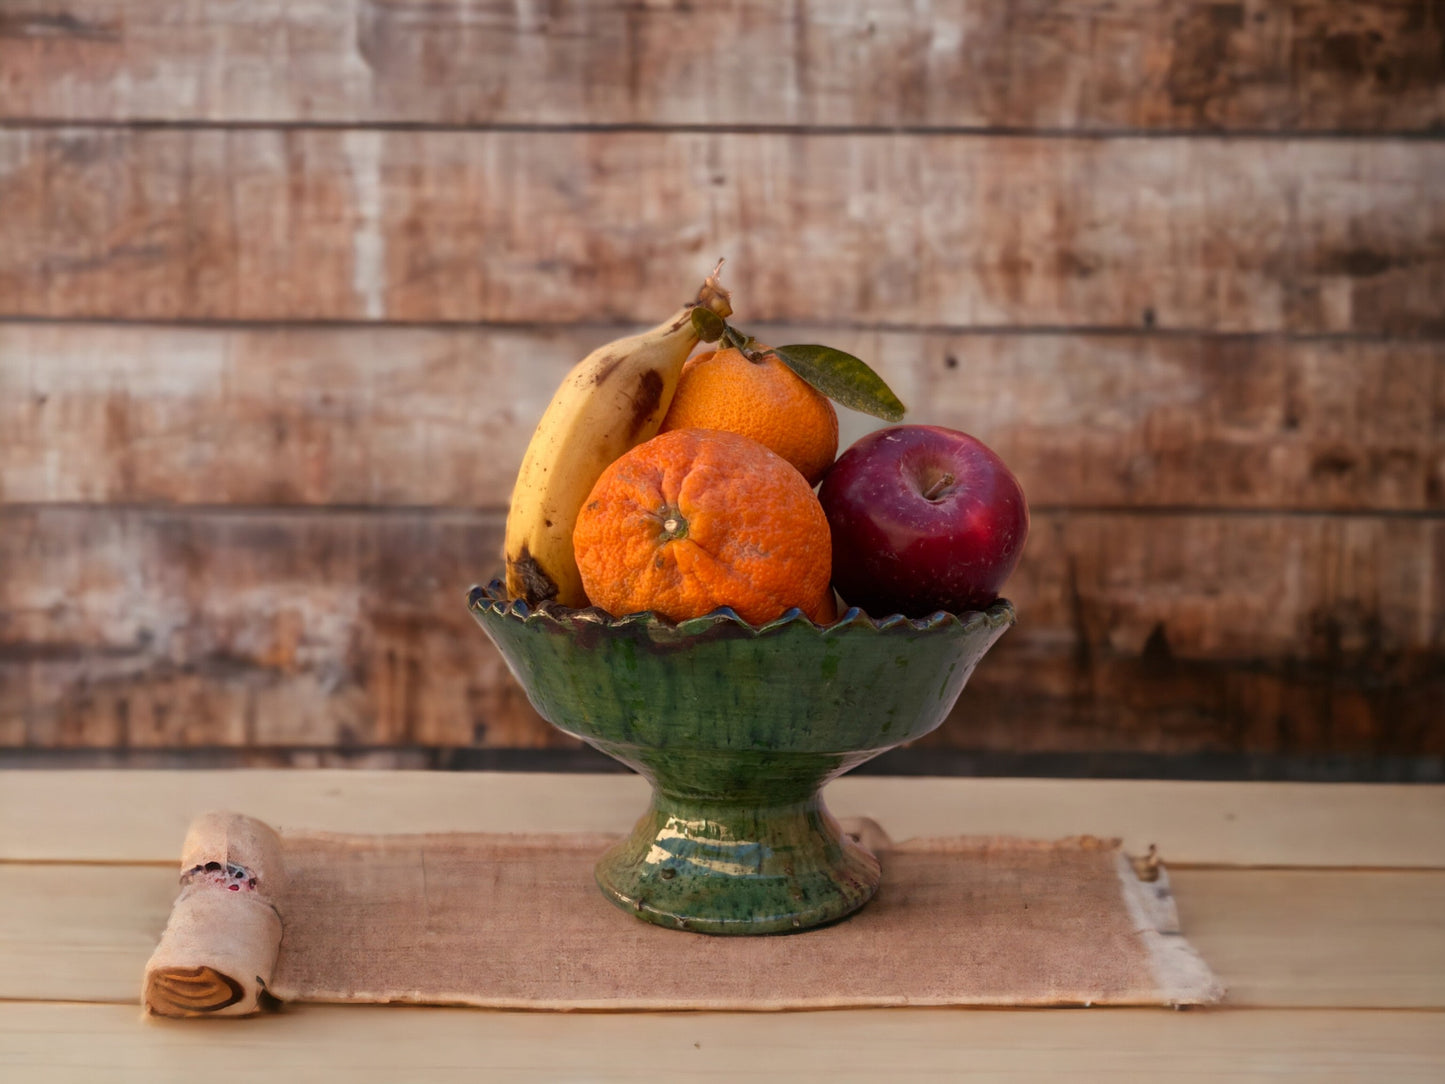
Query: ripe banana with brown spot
[(612, 400)]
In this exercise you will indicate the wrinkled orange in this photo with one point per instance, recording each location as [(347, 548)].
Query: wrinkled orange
[(764, 400), (695, 519)]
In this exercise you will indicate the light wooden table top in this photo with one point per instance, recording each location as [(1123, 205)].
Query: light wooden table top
[(1322, 907)]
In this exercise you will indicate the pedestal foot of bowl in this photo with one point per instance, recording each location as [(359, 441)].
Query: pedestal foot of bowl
[(738, 867)]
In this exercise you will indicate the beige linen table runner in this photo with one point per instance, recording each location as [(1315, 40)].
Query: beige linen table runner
[(515, 921)]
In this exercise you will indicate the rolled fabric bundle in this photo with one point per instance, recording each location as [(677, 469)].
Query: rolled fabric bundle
[(218, 952)]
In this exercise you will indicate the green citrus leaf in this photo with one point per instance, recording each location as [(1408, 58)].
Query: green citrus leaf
[(844, 379), (708, 324)]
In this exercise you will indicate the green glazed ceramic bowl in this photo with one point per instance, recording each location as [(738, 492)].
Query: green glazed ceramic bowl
[(738, 727)]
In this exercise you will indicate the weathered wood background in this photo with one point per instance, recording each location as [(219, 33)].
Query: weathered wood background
[(284, 286)]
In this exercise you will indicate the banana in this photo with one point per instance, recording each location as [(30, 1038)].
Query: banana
[(612, 400)]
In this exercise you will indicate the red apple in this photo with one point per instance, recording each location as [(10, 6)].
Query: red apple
[(923, 519)]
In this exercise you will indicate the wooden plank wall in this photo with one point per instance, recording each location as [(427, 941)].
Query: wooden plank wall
[(284, 286)]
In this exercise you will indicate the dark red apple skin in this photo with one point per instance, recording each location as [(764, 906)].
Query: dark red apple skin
[(896, 550)]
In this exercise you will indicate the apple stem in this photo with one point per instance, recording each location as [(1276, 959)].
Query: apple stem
[(939, 487)]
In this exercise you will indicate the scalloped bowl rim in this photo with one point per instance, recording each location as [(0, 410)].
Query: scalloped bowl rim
[(998, 614)]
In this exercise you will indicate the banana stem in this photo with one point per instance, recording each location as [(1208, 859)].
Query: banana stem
[(714, 295)]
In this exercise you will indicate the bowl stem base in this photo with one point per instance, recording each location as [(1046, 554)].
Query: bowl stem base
[(738, 867)]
